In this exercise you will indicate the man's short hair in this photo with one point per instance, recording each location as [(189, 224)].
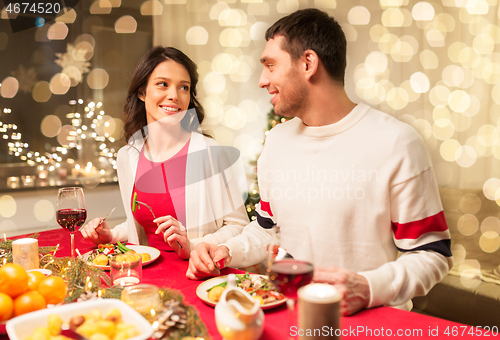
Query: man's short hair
[(315, 30)]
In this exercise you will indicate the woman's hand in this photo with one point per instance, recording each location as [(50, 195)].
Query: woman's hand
[(174, 234), (97, 231)]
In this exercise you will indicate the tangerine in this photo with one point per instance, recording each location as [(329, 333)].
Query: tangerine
[(34, 279), (13, 280), (28, 302), (53, 289), (6, 307)]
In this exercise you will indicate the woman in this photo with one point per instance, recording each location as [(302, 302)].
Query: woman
[(169, 169)]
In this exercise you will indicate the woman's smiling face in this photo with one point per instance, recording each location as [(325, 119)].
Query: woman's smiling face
[(167, 92)]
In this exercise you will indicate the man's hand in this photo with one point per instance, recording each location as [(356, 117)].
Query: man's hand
[(353, 287), (207, 260)]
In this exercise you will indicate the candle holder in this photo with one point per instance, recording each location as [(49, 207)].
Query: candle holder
[(319, 308), (126, 273), (144, 298)]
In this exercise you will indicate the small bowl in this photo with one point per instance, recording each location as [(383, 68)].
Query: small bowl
[(17, 327)]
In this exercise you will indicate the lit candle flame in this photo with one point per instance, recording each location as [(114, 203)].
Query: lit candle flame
[(4, 237)]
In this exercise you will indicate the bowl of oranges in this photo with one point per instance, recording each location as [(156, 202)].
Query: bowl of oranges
[(23, 292)]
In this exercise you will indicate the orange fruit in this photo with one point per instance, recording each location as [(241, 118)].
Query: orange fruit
[(13, 280), (6, 307), (53, 289), (28, 302), (34, 279)]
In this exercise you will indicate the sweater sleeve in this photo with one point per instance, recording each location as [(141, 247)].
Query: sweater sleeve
[(250, 246), (421, 235)]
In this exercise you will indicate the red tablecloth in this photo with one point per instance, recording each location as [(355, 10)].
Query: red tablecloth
[(383, 322)]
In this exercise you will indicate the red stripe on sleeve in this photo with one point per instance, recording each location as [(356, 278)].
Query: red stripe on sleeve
[(415, 229), (266, 207)]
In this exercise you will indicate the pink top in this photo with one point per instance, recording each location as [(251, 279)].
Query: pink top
[(161, 185)]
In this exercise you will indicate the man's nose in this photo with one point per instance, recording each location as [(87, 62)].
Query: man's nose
[(263, 80)]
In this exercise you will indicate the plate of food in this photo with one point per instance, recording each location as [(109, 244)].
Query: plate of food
[(100, 257), (259, 286)]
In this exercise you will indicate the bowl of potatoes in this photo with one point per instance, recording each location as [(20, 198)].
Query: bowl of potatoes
[(98, 319)]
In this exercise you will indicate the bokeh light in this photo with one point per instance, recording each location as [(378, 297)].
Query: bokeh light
[(197, 35), (44, 210), (489, 242), (423, 11), (9, 87), (50, 126), (100, 7), (287, 6), (68, 18), (41, 92), (98, 79), (67, 136), (126, 24), (468, 224), (8, 206), (490, 223), (60, 83), (358, 15), (57, 31), (152, 7), (470, 204)]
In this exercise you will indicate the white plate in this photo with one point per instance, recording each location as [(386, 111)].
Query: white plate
[(19, 328), (202, 293), (153, 252)]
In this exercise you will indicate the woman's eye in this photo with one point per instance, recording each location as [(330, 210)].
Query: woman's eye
[(185, 88), (162, 83)]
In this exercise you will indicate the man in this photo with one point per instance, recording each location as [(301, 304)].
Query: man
[(359, 180)]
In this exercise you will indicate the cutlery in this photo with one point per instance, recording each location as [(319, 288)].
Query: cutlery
[(154, 216), (104, 219)]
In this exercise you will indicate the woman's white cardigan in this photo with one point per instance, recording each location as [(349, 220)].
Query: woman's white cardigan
[(215, 210)]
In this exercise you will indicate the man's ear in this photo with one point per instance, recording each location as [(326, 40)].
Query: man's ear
[(311, 63)]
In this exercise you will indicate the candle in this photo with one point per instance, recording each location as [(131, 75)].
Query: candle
[(318, 309), (25, 253), (4, 237)]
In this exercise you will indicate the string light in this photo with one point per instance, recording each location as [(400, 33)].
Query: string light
[(52, 160)]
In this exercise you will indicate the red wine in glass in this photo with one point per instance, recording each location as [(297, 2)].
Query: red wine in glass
[(71, 219), (71, 212), (289, 275)]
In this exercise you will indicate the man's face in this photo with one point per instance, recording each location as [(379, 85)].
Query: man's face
[(283, 80)]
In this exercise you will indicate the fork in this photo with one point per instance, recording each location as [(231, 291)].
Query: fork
[(154, 216)]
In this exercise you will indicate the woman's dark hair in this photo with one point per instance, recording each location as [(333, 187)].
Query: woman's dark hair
[(134, 111), (312, 29)]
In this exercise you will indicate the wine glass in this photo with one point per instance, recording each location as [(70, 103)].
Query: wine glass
[(71, 212), (290, 263)]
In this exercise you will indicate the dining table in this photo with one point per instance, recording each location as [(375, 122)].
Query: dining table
[(169, 271)]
